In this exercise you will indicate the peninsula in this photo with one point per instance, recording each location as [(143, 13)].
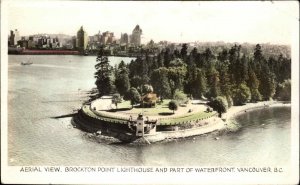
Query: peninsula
[(181, 93), (147, 126)]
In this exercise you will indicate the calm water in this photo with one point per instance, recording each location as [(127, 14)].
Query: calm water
[(56, 85)]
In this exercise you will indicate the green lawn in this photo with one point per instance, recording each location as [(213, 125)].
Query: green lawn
[(124, 105), (162, 109), (186, 117), (154, 111)]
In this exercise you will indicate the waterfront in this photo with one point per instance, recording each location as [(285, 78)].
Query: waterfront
[(56, 85)]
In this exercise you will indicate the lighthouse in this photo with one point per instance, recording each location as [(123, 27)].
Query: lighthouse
[(140, 125)]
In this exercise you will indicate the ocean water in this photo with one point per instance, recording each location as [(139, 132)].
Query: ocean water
[(56, 85)]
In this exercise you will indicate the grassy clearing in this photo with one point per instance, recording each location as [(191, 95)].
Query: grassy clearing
[(124, 105), (186, 118), (159, 110), (154, 111)]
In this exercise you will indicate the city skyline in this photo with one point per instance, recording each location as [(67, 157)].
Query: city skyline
[(253, 22)]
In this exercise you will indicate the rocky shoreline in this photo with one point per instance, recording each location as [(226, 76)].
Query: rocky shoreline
[(213, 124)]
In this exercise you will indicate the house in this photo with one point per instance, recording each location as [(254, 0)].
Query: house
[(149, 100)]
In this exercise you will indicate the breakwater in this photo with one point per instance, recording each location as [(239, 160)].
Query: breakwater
[(92, 121), (117, 127)]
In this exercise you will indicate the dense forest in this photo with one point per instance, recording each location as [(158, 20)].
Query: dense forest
[(236, 75)]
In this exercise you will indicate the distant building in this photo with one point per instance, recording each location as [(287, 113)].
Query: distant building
[(124, 38), (82, 39), (42, 41), (23, 43), (31, 42), (17, 37), (12, 38), (136, 35), (107, 38)]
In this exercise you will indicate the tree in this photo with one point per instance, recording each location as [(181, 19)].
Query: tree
[(104, 75), (180, 97), (160, 82), (194, 53), (258, 60), (223, 56), (208, 56), (282, 69), (173, 105), (167, 57), (136, 81), (225, 84), (283, 92), (241, 94), (196, 82), (133, 95), (244, 65), (219, 104), (116, 99), (176, 74), (183, 51), (121, 65), (214, 71), (253, 84), (234, 64), (214, 83), (267, 83), (122, 79), (147, 89), (258, 56), (200, 85), (145, 79)]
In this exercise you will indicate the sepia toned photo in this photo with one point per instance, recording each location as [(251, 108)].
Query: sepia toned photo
[(174, 92)]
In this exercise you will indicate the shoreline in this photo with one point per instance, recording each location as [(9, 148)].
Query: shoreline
[(66, 52), (214, 124), (238, 110), (219, 124)]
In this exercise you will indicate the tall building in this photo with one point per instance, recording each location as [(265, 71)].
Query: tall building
[(136, 35), (14, 37), (11, 38), (82, 39), (124, 38), (17, 37), (107, 37), (31, 42)]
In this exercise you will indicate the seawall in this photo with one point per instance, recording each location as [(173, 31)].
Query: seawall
[(123, 133)]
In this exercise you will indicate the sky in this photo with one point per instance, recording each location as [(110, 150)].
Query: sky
[(253, 22)]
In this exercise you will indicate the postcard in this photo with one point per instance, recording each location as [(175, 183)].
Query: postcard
[(163, 92)]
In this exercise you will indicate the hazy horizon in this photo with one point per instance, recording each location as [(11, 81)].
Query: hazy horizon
[(229, 22)]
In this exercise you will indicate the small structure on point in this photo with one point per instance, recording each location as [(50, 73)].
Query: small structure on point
[(142, 126), (149, 100)]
